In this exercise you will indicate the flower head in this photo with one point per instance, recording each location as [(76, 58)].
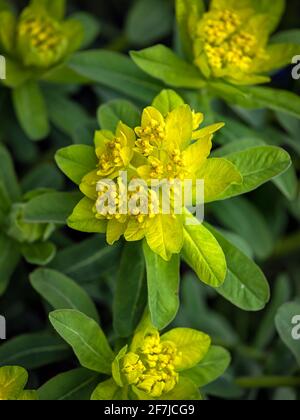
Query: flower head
[(226, 44), (38, 39), (231, 40), (153, 366), (138, 176), (41, 40)]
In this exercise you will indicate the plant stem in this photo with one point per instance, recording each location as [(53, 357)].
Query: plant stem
[(288, 245), (268, 382)]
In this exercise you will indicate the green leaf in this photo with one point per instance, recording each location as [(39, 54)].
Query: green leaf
[(257, 166), (111, 113), (148, 21), (185, 390), (83, 218), (193, 345), (7, 30), (86, 338), (62, 292), (259, 97), (44, 175), (288, 183), (163, 287), (218, 175), (31, 110), (16, 74), (203, 254), (52, 207), (75, 385), (288, 326), (9, 259), (275, 11), (91, 27), (76, 161), (28, 396), (214, 365), (33, 351), (167, 101), (5, 203), (55, 8), (68, 116), (281, 294), (160, 62), (8, 176), (242, 217), (84, 261), (13, 379), (291, 36), (245, 285), (188, 13), (117, 72), (38, 253), (130, 297), (107, 391)]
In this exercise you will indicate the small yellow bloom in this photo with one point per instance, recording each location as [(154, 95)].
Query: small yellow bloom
[(41, 40), (222, 42), (114, 151), (152, 369)]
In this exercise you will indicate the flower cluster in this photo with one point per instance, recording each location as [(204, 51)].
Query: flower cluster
[(226, 43), (230, 41), (36, 39), (167, 149), (157, 367), (153, 368)]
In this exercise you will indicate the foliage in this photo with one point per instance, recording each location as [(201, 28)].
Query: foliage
[(102, 305)]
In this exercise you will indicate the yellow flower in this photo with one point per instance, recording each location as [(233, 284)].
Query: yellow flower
[(38, 38), (225, 42), (41, 40), (167, 149), (153, 369), (114, 151), (153, 366)]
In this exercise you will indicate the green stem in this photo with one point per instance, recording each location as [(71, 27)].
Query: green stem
[(244, 351), (288, 245), (268, 382), (119, 44)]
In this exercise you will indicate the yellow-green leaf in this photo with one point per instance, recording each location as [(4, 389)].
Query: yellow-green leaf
[(192, 344)]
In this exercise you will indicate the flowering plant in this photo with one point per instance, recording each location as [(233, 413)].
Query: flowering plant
[(225, 50), (153, 367), (36, 45)]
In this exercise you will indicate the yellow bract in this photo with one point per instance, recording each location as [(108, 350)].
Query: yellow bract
[(163, 148), (114, 151)]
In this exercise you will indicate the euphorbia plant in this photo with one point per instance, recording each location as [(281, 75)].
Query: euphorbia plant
[(166, 143), (36, 44), (226, 49), (18, 237), (152, 366)]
